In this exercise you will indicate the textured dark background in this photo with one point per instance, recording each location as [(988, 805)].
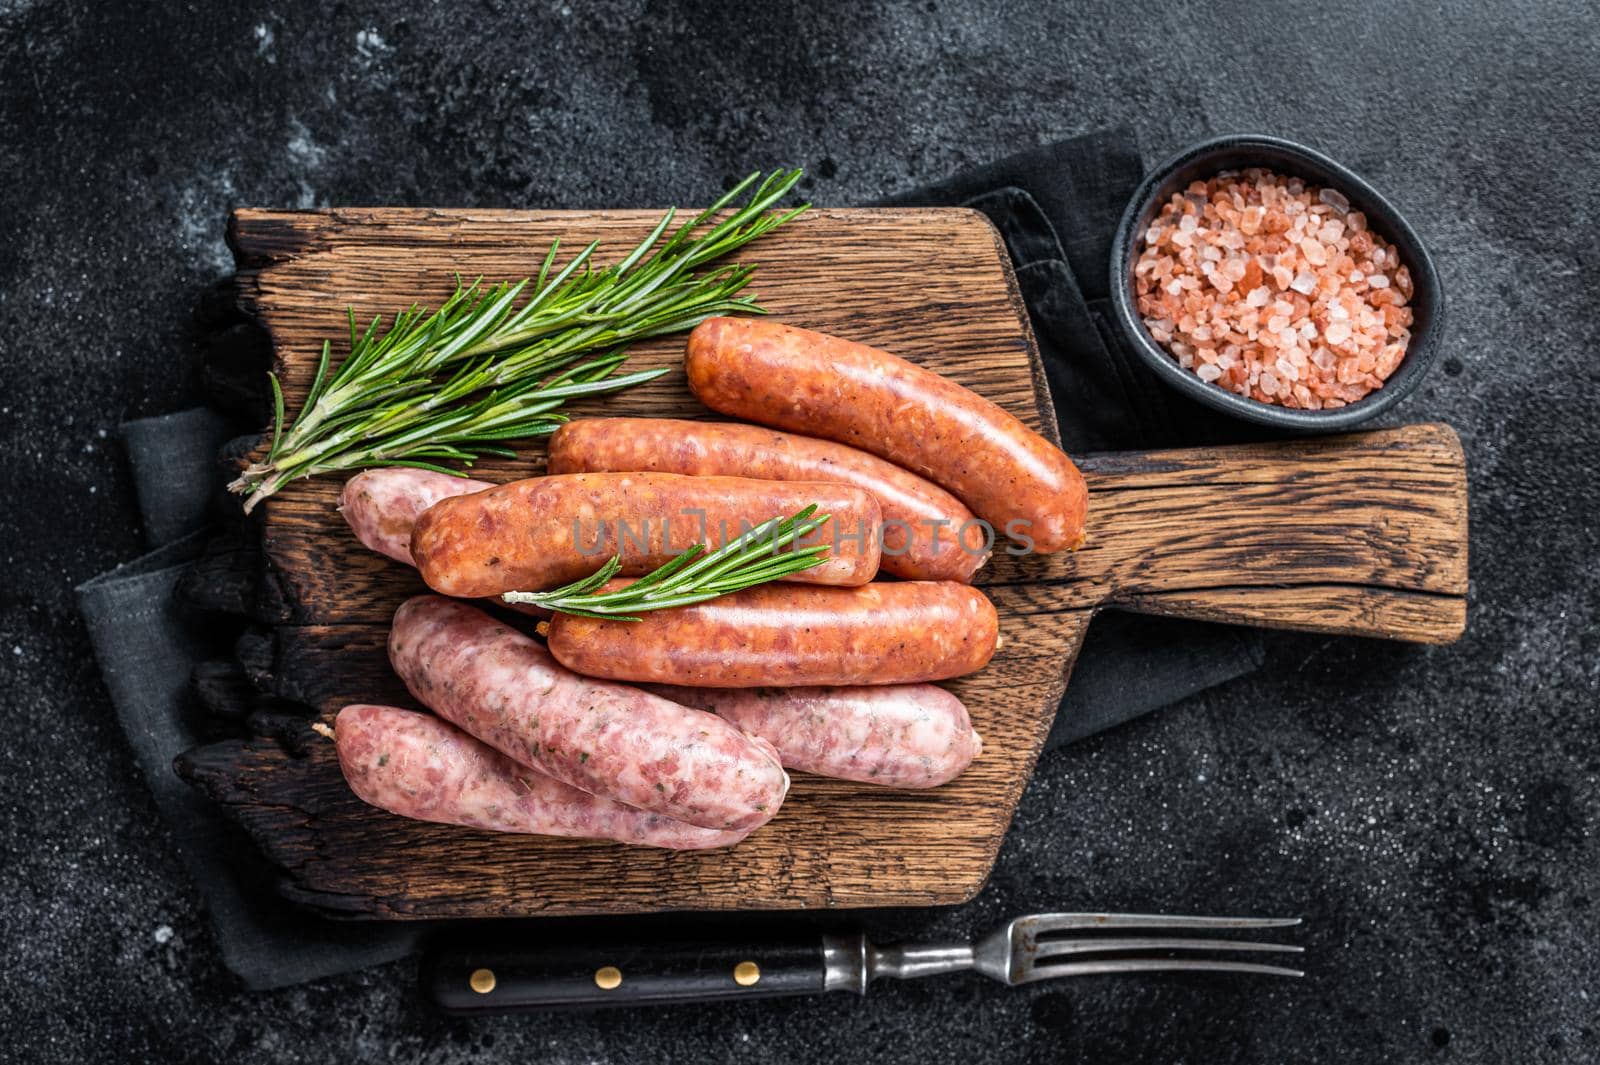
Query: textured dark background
[(1432, 812)]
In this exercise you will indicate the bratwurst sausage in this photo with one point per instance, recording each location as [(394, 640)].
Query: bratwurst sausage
[(900, 736), (418, 766), (927, 534), (807, 382), (548, 531), (606, 739), (791, 635), (382, 505)]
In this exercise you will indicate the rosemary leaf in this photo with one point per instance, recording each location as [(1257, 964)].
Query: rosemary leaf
[(692, 576)]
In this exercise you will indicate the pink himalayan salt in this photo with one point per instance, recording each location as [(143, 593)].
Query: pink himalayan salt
[(1275, 290)]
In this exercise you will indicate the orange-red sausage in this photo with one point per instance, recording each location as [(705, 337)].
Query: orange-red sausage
[(810, 383), (547, 531), (789, 635), (382, 505), (927, 533)]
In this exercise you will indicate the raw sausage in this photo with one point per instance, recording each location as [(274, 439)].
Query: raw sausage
[(927, 533), (547, 531), (807, 382), (382, 505), (791, 635), (606, 739), (418, 766), (901, 736)]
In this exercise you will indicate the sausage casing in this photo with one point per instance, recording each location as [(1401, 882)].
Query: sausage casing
[(382, 505), (418, 766), (900, 736), (605, 739), (927, 533), (544, 532), (807, 382), (791, 635)]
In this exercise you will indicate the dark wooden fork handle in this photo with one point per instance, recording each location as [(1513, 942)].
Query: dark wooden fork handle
[(471, 980)]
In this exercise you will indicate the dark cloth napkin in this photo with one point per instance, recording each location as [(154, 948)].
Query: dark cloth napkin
[(1056, 207), (147, 643)]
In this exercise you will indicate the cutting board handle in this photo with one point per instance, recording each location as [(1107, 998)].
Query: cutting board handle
[(1363, 534)]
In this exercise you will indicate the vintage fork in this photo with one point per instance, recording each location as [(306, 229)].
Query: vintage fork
[(1042, 946), (1045, 946)]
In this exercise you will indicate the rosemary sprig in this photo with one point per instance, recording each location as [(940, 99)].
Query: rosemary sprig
[(693, 576), (455, 383)]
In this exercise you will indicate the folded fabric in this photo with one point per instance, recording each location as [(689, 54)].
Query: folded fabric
[(147, 644)]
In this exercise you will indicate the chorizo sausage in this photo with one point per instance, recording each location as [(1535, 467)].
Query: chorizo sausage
[(901, 736), (418, 766), (791, 635), (605, 739), (547, 531), (927, 533), (807, 382), (382, 505)]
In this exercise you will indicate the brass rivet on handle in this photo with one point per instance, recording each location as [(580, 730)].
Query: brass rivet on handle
[(481, 981), (608, 977), (746, 973)]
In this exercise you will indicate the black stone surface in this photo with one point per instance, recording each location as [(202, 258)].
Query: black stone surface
[(1432, 813)]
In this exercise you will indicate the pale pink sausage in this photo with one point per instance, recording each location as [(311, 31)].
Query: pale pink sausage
[(418, 766), (382, 505), (607, 739), (901, 736)]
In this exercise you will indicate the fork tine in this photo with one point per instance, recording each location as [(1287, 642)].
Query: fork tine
[(1060, 922), (1057, 947), (1150, 965)]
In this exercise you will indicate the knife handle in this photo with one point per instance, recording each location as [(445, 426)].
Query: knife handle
[(492, 980)]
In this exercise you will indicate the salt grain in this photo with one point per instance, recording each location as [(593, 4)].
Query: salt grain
[(1274, 290)]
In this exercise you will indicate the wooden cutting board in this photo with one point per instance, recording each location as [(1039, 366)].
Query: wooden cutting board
[(1362, 534)]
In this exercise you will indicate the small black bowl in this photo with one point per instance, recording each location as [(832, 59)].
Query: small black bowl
[(1237, 152)]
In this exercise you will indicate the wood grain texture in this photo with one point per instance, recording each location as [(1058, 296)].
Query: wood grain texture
[(1361, 534)]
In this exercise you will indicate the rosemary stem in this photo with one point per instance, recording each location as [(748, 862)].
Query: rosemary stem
[(456, 381)]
